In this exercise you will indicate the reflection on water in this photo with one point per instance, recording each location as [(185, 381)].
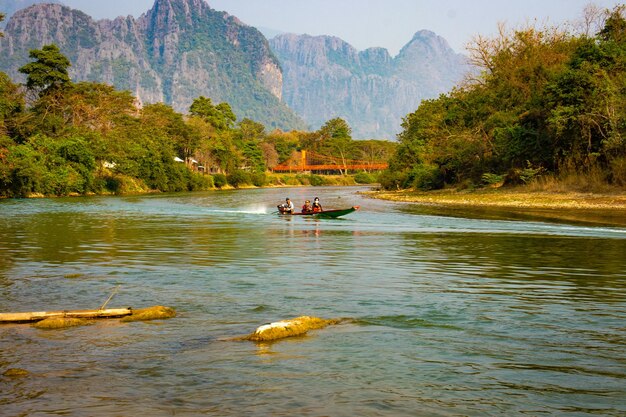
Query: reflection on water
[(455, 313)]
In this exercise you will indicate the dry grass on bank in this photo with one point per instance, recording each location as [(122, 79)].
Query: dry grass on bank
[(570, 192)]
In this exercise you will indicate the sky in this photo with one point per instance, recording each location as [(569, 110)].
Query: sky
[(389, 24)]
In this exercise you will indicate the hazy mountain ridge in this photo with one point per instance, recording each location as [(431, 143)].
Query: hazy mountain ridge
[(175, 52), (9, 7), (181, 49), (325, 77)]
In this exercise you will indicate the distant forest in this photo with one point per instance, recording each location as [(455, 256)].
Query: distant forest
[(62, 138), (547, 105)]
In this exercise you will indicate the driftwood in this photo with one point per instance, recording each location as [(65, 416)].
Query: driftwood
[(86, 314)]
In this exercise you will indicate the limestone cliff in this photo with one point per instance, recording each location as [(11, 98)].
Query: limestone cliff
[(325, 77), (175, 52), (8, 7)]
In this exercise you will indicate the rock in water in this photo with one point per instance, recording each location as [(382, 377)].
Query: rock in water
[(60, 322), (15, 372), (151, 313), (288, 328)]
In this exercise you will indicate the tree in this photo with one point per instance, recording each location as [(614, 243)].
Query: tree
[(375, 151), (586, 100), (11, 104), (251, 130), (270, 155), (544, 100), (336, 128), (48, 72), (615, 26), (220, 116), (84, 106), (284, 143), (336, 140), (163, 117)]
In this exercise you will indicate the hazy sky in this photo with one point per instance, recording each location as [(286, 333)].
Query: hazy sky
[(365, 23)]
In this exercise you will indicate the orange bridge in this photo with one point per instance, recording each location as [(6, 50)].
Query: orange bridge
[(311, 161)]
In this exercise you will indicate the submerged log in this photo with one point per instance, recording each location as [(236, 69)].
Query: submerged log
[(85, 314)]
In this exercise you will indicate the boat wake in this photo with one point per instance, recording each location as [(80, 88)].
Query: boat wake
[(250, 210)]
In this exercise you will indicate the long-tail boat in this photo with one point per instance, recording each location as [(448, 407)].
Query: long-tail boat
[(325, 214)]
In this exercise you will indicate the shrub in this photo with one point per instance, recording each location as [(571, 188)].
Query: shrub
[(491, 179), (316, 180), (618, 171), (424, 177), (259, 179), (364, 178), (524, 176), (392, 180), (219, 180), (290, 180), (238, 178), (200, 182), (303, 179), (111, 183), (121, 184)]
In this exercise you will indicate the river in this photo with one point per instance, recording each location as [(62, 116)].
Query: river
[(452, 314)]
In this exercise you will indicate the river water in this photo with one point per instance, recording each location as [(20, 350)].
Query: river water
[(451, 314)]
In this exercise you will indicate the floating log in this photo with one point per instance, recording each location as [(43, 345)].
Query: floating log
[(84, 314)]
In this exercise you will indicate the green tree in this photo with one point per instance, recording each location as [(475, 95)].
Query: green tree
[(216, 150), (615, 26), (84, 107), (251, 130), (48, 71), (163, 117), (283, 144), (587, 101), (502, 121), (336, 141), (47, 166), (249, 136), (220, 116), (11, 105), (336, 128), (374, 151)]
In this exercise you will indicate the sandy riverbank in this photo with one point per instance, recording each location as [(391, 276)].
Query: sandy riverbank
[(607, 208), (510, 198)]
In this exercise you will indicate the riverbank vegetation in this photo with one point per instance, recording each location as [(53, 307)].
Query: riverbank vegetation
[(548, 108), (60, 138)]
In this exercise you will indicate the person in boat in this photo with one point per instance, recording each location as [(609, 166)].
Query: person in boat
[(307, 207), (287, 207), (317, 206)]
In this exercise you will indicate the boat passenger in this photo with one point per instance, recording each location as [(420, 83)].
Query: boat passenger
[(287, 207), (317, 206), (307, 208)]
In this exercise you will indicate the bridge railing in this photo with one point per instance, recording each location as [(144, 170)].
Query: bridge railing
[(329, 167)]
